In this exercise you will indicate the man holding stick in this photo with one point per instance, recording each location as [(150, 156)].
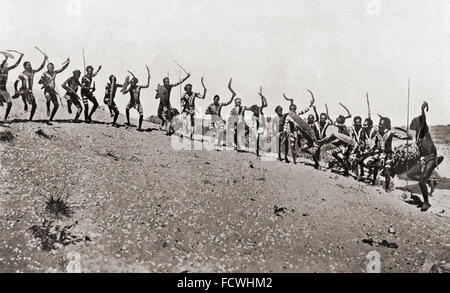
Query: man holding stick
[(163, 94), (5, 97), (49, 85), (26, 89)]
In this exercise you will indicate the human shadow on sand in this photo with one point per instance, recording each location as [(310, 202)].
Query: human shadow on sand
[(54, 121)]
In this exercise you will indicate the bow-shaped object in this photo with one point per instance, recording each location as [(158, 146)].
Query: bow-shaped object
[(43, 53), (180, 66), (348, 112), (148, 72), (204, 87), (231, 90), (313, 100), (289, 100), (15, 52), (7, 55), (131, 74)]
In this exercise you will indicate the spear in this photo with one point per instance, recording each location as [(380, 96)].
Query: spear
[(407, 130), (368, 104), (84, 62)]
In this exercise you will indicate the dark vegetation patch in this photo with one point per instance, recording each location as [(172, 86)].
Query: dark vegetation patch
[(6, 136), (43, 134)]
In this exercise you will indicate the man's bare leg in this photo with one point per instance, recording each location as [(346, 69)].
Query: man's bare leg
[(33, 110), (141, 118), (25, 104), (94, 108), (128, 116), (8, 110), (55, 109)]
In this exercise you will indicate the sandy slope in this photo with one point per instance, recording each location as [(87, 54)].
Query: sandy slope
[(140, 206)]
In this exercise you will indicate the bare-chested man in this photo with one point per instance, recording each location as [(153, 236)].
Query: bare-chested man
[(48, 81), (87, 91), (163, 94), (26, 88), (135, 93), (428, 154), (258, 119), (370, 148), (5, 97), (188, 109), (278, 128), (71, 86), (215, 110), (110, 94)]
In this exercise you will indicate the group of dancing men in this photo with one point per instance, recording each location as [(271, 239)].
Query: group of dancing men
[(360, 148)]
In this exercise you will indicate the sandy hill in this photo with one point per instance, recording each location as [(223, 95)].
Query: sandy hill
[(95, 198)]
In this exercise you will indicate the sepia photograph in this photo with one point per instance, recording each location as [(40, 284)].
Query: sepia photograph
[(224, 137)]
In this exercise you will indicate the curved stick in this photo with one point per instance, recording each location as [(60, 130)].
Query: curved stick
[(204, 87), (7, 55), (313, 100), (203, 84), (41, 51), (180, 66), (231, 90), (131, 73), (289, 100), (15, 52), (348, 112), (148, 72)]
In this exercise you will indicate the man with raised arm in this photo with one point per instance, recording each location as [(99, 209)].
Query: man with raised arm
[(163, 94), (26, 88), (215, 110), (135, 93), (428, 154), (110, 94), (87, 92), (188, 109), (5, 97), (48, 82), (71, 86)]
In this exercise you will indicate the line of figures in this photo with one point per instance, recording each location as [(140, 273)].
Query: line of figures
[(361, 148)]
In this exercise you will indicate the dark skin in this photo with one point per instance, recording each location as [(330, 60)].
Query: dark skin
[(165, 101), (386, 148), (190, 109), (427, 151), (135, 92), (52, 72), (287, 141), (29, 71), (257, 115), (112, 92), (215, 110), (278, 131), (4, 70), (90, 74), (65, 85)]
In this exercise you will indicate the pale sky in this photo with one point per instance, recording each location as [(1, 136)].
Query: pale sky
[(337, 48)]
